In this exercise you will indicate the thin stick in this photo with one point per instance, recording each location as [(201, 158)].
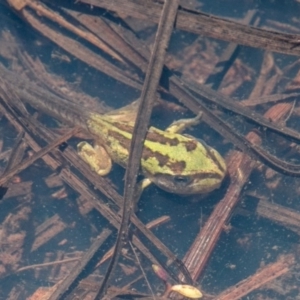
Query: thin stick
[(153, 75), (27, 162)]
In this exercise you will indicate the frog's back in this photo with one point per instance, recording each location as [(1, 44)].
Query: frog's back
[(172, 161), (164, 152)]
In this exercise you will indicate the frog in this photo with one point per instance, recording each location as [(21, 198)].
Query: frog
[(175, 162)]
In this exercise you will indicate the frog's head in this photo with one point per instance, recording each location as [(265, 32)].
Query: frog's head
[(198, 171)]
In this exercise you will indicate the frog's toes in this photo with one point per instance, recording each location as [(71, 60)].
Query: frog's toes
[(96, 157), (180, 125)]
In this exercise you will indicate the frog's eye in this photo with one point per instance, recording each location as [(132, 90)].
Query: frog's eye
[(181, 179)]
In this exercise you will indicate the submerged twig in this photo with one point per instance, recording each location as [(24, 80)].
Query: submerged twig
[(63, 286), (9, 174), (153, 74), (259, 279), (239, 168), (207, 25)]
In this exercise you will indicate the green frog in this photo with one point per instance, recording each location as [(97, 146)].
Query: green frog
[(174, 162)]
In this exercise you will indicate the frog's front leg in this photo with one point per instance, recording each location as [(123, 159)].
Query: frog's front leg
[(96, 157), (180, 125), (139, 188)]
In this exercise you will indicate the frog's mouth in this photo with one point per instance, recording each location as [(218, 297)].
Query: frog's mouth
[(188, 185)]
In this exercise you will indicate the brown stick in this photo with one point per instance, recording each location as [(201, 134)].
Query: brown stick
[(8, 175), (263, 276), (239, 168)]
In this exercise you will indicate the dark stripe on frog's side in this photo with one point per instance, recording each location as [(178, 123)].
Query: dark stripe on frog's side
[(163, 160), (162, 139), (123, 126), (152, 136), (122, 140)]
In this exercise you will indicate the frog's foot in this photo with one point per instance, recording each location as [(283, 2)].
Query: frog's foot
[(96, 157), (180, 125), (140, 186)]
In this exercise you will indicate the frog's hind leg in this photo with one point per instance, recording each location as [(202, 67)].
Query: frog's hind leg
[(96, 157), (180, 125)]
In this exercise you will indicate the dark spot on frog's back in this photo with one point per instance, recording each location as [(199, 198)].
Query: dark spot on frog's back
[(157, 137), (164, 160), (177, 167), (190, 145), (161, 158)]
